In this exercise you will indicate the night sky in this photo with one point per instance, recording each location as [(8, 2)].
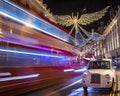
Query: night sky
[(66, 7)]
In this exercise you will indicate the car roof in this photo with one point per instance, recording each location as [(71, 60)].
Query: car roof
[(103, 59)]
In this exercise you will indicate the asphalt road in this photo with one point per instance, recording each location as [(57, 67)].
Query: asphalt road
[(73, 87)]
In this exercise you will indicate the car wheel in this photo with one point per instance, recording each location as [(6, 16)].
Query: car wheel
[(85, 88), (111, 88)]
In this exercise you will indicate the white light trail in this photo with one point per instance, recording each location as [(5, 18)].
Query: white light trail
[(68, 70), (28, 53), (53, 93), (5, 73), (30, 25), (80, 70), (78, 81), (18, 77)]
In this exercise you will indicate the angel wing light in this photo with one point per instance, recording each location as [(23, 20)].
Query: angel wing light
[(89, 18), (85, 19), (76, 22)]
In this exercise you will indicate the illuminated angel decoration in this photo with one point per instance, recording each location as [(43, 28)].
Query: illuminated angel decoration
[(76, 22)]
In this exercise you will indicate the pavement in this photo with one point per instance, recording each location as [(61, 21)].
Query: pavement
[(118, 82)]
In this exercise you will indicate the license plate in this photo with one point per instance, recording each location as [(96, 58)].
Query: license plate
[(95, 85)]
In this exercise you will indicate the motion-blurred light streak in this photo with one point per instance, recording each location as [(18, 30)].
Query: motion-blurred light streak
[(78, 81), (68, 70), (80, 70), (29, 53), (5, 73), (18, 77), (22, 16), (53, 93)]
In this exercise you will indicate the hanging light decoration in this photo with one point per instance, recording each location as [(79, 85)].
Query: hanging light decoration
[(94, 35), (85, 19), (76, 22)]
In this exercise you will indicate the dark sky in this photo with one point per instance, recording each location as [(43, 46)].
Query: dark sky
[(66, 7)]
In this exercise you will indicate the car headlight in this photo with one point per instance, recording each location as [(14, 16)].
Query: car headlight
[(107, 76), (84, 75)]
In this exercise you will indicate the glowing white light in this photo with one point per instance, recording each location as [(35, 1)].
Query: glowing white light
[(25, 44), (76, 92), (19, 77), (89, 58), (11, 3), (30, 25), (9, 16), (68, 70), (5, 73), (78, 81), (28, 53), (52, 93), (80, 70)]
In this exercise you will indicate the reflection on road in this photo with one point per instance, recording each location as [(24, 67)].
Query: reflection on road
[(90, 92), (70, 88)]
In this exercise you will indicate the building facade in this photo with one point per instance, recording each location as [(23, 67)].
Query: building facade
[(109, 47)]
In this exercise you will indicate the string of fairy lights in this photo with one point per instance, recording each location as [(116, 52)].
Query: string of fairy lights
[(85, 19), (76, 22)]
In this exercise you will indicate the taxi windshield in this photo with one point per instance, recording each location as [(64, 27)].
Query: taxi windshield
[(99, 65)]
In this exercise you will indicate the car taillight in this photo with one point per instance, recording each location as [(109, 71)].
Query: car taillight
[(107, 76)]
